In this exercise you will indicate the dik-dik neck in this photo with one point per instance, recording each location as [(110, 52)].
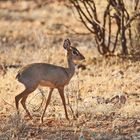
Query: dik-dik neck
[(71, 67)]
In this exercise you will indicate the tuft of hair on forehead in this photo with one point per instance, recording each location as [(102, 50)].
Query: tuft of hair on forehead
[(74, 49)]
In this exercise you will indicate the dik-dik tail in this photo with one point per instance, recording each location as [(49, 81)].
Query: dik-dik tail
[(18, 75)]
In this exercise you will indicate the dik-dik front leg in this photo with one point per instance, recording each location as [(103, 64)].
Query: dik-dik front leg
[(61, 91)]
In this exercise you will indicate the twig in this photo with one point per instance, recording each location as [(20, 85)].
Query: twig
[(7, 102), (131, 20)]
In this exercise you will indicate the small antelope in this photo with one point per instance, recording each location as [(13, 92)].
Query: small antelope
[(52, 76)]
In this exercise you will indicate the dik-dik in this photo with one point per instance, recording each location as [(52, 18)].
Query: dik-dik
[(52, 76)]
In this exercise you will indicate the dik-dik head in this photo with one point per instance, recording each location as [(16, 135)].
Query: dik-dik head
[(72, 52)]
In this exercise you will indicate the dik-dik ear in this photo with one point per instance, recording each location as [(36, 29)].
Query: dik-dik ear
[(67, 44)]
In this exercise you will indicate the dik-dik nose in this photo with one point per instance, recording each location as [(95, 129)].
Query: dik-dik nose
[(82, 57)]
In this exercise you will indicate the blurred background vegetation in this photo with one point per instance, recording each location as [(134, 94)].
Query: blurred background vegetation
[(115, 24)]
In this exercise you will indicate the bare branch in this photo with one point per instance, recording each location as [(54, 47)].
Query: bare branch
[(116, 40), (98, 46), (81, 17), (85, 4), (106, 13), (93, 9), (131, 20), (136, 4), (109, 29), (82, 12)]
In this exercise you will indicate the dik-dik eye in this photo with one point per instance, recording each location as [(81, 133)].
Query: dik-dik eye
[(75, 52)]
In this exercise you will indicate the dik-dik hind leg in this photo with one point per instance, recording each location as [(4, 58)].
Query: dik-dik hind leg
[(47, 103), (18, 97), (23, 100), (61, 91), (23, 95)]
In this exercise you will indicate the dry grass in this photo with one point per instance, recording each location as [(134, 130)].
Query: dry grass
[(25, 41)]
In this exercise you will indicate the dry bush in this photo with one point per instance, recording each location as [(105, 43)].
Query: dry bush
[(112, 27)]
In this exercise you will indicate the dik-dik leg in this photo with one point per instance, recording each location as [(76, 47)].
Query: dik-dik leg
[(61, 91), (23, 96), (47, 103)]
